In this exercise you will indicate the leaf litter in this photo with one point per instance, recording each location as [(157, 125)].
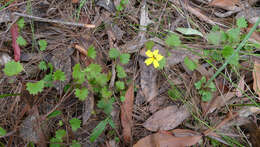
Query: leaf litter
[(150, 116)]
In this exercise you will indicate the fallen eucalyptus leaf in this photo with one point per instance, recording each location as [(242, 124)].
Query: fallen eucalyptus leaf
[(167, 118), (189, 31)]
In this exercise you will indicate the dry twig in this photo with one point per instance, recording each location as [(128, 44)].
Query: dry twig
[(54, 21)]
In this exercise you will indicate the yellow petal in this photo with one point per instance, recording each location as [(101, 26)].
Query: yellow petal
[(155, 52), (155, 64), (159, 57), (149, 61), (149, 53)]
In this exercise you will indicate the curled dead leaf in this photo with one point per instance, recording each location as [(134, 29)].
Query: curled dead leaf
[(225, 4), (126, 113), (256, 77), (240, 86), (218, 102), (89, 105), (161, 139), (167, 118)]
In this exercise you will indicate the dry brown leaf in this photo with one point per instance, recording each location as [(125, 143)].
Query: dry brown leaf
[(157, 103), (148, 81), (167, 140), (240, 86), (75, 1), (242, 118), (225, 4), (167, 118), (184, 132), (218, 102), (256, 76), (32, 128), (126, 113), (223, 123), (254, 132), (89, 105)]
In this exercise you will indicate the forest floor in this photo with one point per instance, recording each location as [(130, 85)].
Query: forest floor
[(136, 73)]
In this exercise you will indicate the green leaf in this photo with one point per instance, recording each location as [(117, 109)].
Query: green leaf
[(98, 130), (189, 63), (21, 41), (149, 45), (212, 87), (101, 79), (2, 131), (120, 85), (215, 28), (122, 98), (54, 114), (12, 68), (78, 75), (124, 2), (162, 63), (113, 53), (60, 123), (173, 40), (92, 52), (120, 71), (198, 85), (106, 105), (21, 23), (233, 35), (241, 22), (111, 123), (42, 66), (227, 51), (106, 93), (55, 142), (203, 79), (94, 68), (119, 7), (35, 88), (235, 59), (81, 94), (75, 124), (31, 144), (59, 75), (75, 143), (48, 80), (117, 139), (43, 44), (214, 38), (189, 31), (60, 134), (124, 58), (206, 96), (51, 67)]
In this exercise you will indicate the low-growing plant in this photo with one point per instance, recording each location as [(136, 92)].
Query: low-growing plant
[(121, 5), (205, 90), (97, 80)]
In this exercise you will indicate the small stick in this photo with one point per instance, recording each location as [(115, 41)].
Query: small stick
[(54, 21), (81, 50)]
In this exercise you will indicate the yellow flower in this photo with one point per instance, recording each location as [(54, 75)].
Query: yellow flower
[(154, 57)]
